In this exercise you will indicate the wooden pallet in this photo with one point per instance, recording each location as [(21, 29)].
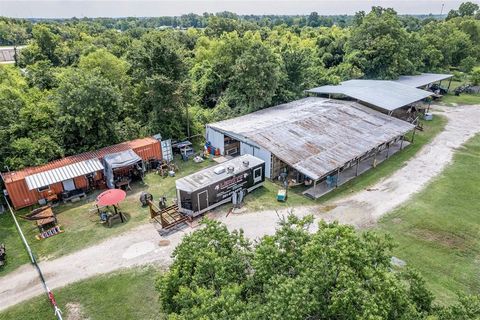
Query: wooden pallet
[(168, 217)]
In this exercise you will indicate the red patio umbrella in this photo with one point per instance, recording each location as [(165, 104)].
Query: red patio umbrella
[(111, 197)]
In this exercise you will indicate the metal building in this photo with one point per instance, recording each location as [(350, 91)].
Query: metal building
[(314, 139)]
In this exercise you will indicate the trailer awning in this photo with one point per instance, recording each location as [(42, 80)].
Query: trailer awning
[(67, 172)]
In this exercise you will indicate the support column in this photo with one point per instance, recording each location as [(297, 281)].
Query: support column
[(449, 83), (388, 150), (374, 163), (338, 178), (414, 130), (356, 168)]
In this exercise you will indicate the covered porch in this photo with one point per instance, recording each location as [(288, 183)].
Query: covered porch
[(361, 165)]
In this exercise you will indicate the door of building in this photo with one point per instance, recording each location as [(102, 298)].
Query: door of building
[(68, 185), (202, 200)]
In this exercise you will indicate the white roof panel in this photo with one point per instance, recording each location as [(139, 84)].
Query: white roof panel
[(387, 95), (70, 171), (422, 79)]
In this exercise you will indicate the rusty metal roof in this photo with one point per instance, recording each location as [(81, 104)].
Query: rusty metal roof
[(70, 171), (315, 135), (9, 177), (387, 95)]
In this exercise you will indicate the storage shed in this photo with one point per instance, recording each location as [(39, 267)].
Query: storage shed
[(312, 138), (79, 172)]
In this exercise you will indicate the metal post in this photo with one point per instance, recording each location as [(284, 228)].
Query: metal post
[(388, 150), (449, 83), (338, 178), (414, 130), (58, 312), (356, 168)]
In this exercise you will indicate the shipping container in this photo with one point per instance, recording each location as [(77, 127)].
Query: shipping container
[(223, 183), (21, 195)]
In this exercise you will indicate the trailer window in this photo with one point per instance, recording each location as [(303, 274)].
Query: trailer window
[(43, 188), (258, 173)]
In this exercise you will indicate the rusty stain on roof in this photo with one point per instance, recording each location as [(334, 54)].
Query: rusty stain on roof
[(316, 135)]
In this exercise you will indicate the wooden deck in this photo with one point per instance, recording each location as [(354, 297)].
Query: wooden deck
[(168, 217)]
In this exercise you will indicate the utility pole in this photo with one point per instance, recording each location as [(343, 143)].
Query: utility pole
[(441, 11), (51, 298)]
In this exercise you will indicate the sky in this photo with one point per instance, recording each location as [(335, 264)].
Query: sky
[(151, 8)]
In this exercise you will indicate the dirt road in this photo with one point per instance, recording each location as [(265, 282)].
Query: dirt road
[(140, 246)]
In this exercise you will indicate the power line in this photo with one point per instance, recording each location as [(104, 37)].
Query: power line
[(51, 298)]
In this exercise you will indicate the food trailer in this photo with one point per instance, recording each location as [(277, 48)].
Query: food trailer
[(227, 182)]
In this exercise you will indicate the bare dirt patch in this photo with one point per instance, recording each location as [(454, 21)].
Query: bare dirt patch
[(74, 311), (445, 239)]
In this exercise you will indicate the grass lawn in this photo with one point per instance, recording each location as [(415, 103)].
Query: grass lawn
[(463, 99), (264, 198), (127, 294), (437, 231), (82, 228)]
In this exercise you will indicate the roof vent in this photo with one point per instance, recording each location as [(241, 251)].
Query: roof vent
[(246, 163), (219, 170), (230, 169)]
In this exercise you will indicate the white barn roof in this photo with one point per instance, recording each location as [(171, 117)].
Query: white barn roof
[(387, 95), (315, 135), (422, 79)]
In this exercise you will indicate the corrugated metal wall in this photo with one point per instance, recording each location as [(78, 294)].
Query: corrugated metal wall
[(22, 197), (259, 153), (216, 139)]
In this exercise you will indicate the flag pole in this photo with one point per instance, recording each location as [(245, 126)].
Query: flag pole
[(51, 298)]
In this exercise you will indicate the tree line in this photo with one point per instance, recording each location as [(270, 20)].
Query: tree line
[(81, 84)]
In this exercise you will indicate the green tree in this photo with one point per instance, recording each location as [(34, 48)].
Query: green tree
[(33, 151), (109, 66), (88, 108), (41, 74), (333, 273), (377, 45), (468, 9), (255, 79), (162, 91), (475, 76)]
